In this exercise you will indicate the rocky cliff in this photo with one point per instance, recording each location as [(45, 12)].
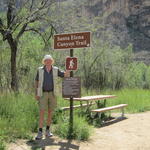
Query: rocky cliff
[(127, 20)]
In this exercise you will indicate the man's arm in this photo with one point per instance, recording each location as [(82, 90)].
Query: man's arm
[(63, 73), (67, 73)]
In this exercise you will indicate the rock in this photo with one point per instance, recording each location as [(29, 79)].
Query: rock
[(128, 21)]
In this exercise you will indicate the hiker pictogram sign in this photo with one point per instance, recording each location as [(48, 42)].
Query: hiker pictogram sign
[(71, 63)]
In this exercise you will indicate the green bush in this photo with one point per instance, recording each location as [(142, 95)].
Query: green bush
[(2, 144), (81, 129), (19, 116)]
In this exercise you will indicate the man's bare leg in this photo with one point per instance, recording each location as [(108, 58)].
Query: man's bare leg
[(49, 120), (49, 117), (41, 120)]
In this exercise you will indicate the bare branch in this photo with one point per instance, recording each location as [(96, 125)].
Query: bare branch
[(2, 31), (21, 32), (17, 25), (31, 20), (31, 5), (44, 5), (37, 31), (16, 21), (35, 15), (10, 12), (52, 31)]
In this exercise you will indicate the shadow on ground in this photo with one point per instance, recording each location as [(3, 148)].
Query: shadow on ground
[(112, 121), (49, 143)]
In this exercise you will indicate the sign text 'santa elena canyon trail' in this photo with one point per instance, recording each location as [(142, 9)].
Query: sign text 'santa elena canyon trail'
[(72, 40)]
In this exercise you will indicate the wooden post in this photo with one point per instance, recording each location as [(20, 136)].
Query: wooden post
[(71, 106)]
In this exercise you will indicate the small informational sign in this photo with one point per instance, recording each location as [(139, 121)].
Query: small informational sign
[(72, 40), (71, 87), (71, 63)]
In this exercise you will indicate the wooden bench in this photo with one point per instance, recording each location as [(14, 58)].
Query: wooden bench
[(120, 106), (78, 106)]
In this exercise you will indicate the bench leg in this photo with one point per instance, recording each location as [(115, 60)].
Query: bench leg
[(104, 102), (81, 105), (109, 113), (92, 115), (87, 109), (100, 115), (122, 109)]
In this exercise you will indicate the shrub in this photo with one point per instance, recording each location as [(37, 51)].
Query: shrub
[(2, 144), (19, 116), (81, 129)]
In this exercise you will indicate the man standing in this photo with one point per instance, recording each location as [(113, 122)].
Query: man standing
[(45, 84)]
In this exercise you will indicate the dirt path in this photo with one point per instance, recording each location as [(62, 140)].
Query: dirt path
[(132, 133)]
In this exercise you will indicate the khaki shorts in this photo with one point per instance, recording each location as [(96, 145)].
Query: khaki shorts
[(47, 101)]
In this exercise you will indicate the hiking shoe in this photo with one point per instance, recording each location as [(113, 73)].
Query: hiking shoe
[(39, 135), (48, 133)]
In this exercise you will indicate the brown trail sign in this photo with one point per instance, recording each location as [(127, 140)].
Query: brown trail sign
[(72, 40)]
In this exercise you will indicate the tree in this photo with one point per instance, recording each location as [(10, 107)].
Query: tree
[(20, 16)]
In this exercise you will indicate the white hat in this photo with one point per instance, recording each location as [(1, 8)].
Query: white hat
[(47, 57)]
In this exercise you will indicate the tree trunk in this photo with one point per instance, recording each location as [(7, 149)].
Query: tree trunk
[(13, 47)]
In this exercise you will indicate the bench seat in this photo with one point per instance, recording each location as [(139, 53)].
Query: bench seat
[(109, 108), (121, 106)]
